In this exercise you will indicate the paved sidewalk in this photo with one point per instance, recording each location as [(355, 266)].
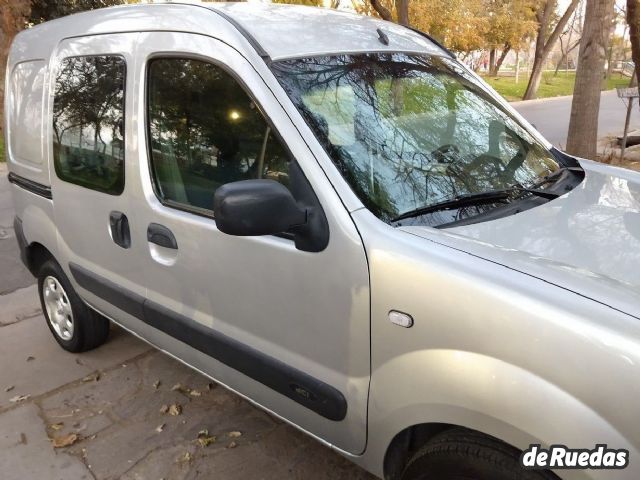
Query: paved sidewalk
[(112, 400)]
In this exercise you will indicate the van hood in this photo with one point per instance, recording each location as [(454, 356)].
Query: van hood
[(587, 241)]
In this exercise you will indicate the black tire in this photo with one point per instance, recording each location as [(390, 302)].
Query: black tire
[(88, 329), (461, 454)]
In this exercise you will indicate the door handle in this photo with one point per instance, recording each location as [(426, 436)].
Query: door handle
[(161, 235), (119, 227)]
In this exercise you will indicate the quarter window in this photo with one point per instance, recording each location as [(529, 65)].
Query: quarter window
[(88, 122), (205, 131)]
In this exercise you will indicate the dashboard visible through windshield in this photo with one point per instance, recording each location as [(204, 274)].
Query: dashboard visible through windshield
[(411, 131)]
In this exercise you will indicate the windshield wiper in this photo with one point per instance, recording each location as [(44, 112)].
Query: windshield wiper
[(471, 199), (558, 173)]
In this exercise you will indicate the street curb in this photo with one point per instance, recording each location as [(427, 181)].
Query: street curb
[(550, 99)]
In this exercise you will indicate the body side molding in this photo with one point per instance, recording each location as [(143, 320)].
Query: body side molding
[(30, 185), (295, 384)]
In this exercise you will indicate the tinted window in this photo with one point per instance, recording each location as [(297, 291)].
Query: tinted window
[(88, 122), (206, 131)]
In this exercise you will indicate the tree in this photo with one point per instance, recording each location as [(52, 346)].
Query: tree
[(401, 8), (583, 124), (509, 22), (568, 43), (546, 39), (633, 19), (44, 10), (13, 18)]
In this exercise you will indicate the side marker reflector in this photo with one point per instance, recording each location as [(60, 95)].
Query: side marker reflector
[(402, 319)]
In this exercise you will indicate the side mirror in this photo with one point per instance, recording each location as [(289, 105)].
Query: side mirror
[(256, 207)]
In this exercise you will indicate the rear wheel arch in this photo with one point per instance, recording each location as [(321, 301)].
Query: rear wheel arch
[(36, 255)]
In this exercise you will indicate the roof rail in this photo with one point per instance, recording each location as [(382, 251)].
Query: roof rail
[(433, 40), (243, 31)]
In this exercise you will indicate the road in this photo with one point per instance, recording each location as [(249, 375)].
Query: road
[(551, 116), (108, 402)]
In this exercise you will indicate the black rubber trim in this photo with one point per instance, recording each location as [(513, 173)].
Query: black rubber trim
[(22, 241), (161, 235), (295, 384), (30, 185), (434, 41), (124, 299), (243, 31)]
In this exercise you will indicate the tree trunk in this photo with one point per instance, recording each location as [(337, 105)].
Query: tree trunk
[(545, 46), (633, 19), (500, 61), (384, 12), (492, 61), (402, 10), (585, 107), (534, 80), (13, 17)]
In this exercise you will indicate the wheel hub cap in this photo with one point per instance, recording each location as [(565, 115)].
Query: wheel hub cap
[(59, 312)]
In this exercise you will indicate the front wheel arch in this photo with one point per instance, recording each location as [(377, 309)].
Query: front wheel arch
[(412, 439)]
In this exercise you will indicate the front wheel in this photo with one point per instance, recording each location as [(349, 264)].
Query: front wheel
[(75, 326), (461, 454)]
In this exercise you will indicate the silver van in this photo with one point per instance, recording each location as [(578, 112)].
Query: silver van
[(333, 217)]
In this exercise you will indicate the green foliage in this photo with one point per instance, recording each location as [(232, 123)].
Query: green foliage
[(43, 10), (550, 86)]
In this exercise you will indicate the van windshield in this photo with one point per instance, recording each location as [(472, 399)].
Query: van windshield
[(408, 131)]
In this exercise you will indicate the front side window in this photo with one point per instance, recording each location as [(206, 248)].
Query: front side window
[(88, 122), (411, 131), (205, 131)]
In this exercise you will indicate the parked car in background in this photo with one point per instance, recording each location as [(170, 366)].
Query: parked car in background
[(333, 217)]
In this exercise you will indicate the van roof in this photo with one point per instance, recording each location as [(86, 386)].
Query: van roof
[(274, 30)]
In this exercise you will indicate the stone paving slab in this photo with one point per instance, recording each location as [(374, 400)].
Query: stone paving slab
[(20, 304), (39, 365), (26, 453), (118, 418)]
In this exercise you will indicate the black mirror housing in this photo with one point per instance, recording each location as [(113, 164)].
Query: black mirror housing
[(256, 207)]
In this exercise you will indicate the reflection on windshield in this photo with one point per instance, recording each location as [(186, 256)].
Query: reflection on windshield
[(408, 131)]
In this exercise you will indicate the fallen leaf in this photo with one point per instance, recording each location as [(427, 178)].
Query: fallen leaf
[(178, 387), (234, 434), (232, 445), (164, 408), (94, 377), (156, 384), (204, 439), (56, 426), (65, 441), (159, 428), (195, 393), (186, 458), (30, 358), (9, 388), (175, 409), (19, 398)]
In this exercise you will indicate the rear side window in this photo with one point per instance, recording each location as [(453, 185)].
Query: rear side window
[(205, 131), (25, 113), (88, 122)]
